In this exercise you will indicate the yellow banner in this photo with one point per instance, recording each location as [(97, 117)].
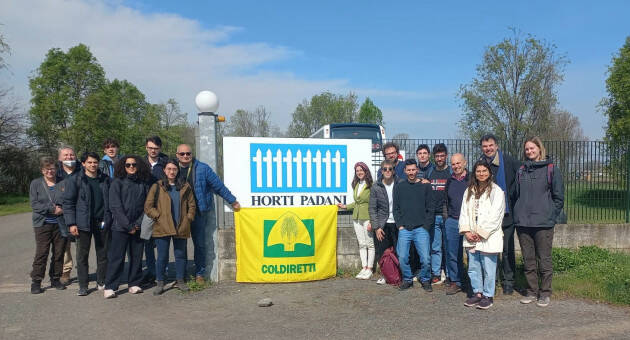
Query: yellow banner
[(286, 244)]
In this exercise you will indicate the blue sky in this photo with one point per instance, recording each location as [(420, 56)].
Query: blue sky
[(410, 57)]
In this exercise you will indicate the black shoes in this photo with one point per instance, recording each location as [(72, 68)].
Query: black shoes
[(405, 285), (58, 285), (182, 285), (508, 290), (36, 287), (485, 303), (426, 285), (83, 291), (473, 300)]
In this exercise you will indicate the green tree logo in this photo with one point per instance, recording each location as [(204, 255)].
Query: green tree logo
[(289, 236)]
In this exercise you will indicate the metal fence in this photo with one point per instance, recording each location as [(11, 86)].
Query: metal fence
[(595, 175)]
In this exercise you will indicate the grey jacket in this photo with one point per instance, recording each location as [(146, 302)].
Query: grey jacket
[(538, 202), (379, 205), (40, 197)]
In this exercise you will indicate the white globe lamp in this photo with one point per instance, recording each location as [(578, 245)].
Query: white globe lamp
[(207, 102)]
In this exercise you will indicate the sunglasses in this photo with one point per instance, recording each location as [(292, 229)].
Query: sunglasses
[(388, 169), (130, 165), (184, 153)]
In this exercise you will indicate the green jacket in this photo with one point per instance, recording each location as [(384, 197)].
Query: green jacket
[(360, 206)]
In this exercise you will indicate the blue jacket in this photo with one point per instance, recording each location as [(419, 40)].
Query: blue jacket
[(207, 183)]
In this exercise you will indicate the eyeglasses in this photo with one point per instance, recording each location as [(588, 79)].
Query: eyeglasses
[(390, 153), (388, 169), (184, 153), (49, 169), (130, 165)]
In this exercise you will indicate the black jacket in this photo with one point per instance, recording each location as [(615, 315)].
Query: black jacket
[(126, 202), (379, 204), (77, 198), (412, 205), (61, 174), (157, 171), (511, 167), (539, 203)]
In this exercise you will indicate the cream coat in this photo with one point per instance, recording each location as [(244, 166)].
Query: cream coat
[(490, 218)]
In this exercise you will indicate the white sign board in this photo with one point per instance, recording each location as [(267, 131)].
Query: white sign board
[(292, 172)]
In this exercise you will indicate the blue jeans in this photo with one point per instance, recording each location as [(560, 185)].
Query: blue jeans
[(482, 270), (453, 248), (436, 245), (179, 250), (199, 231), (421, 239), (149, 255)]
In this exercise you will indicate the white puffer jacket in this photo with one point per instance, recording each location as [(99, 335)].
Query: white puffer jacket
[(489, 220)]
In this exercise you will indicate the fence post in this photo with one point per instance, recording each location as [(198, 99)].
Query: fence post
[(627, 183)]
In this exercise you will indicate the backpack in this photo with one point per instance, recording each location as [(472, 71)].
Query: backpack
[(390, 267)]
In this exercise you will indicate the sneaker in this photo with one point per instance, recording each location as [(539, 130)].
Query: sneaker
[(544, 301), (109, 294), (100, 287), (36, 287), (182, 285), (405, 285), (83, 291), (159, 288), (57, 285), (508, 290), (436, 280), (426, 285), (367, 274), (65, 279), (381, 281), (473, 300), (485, 303), (528, 299), (415, 279), (135, 290), (361, 273), (452, 289)]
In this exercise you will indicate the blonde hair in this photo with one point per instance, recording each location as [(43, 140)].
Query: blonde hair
[(538, 142)]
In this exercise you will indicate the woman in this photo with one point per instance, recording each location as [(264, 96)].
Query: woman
[(539, 204), (170, 202), (381, 211), (44, 197), (126, 201), (480, 221), (361, 184)]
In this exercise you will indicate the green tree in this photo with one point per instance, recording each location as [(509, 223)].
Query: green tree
[(60, 89), (370, 113), (324, 108), (617, 104), (514, 92)]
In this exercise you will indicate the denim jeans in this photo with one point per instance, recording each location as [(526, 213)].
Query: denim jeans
[(199, 233), (179, 250), (482, 270), (436, 245), (421, 239), (453, 248)]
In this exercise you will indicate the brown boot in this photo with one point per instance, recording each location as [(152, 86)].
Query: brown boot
[(200, 280), (65, 279)]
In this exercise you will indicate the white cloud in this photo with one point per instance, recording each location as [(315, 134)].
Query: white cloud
[(165, 55)]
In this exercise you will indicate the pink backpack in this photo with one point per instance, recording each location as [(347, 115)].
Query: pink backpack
[(390, 267)]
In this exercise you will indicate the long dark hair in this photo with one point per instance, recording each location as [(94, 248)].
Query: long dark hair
[(142, 168), (479, 188), (179, 181), (368, 175)]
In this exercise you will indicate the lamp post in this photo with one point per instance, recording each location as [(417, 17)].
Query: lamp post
[(207, 102)]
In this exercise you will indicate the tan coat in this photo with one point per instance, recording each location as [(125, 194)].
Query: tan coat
[(162, 213)]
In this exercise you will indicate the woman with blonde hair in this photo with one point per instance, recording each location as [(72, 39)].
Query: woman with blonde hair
[(540, 193)]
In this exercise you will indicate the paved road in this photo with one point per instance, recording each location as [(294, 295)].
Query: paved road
[(336, 308)]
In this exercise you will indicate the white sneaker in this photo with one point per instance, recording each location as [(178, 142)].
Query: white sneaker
[(361, 273), (109, 293), (381, 281), (99, 287), (367, 275), (135, 290)]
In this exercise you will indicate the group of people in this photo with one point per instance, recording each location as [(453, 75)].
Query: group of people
[(129, 205), (430, 213)]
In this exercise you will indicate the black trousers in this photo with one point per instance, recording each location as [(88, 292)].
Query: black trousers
[(124, 243), (84, 242), (390, 240), (507, 265), (46, 236), (536, 246)]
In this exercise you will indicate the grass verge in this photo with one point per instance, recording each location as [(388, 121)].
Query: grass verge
[(14, 204), (197, 287)]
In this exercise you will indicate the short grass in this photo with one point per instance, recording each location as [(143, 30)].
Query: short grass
[(197, 287), (14, 204), (587, 202)]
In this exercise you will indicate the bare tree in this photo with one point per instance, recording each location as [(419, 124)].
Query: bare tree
[(250, 124)]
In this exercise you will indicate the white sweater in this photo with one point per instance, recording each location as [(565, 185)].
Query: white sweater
[(489, 220)]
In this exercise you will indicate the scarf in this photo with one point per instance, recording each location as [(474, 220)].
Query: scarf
[(501, 179)]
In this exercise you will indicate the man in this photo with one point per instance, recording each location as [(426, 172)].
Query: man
[(425, 167), (66, 166), (504, 169), (110, 150), (437, 177), (86, 212), (391, 151), (205, 183), (156, 160), (413, 215), (455, 187)]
